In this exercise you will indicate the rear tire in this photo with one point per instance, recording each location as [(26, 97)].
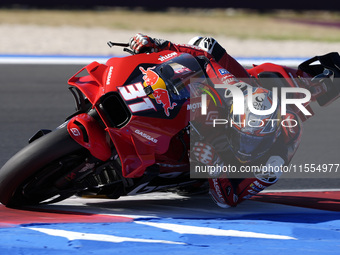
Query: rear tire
[(28, 177)]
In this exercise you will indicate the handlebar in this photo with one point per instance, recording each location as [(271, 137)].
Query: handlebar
[(111, 44)]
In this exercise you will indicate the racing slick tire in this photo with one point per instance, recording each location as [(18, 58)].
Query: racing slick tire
[(28, 177)]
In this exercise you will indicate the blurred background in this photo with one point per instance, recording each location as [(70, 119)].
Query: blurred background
[(262, 5), (245, 28)]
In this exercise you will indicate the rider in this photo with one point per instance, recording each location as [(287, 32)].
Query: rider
[(201, 47), (270, 146)]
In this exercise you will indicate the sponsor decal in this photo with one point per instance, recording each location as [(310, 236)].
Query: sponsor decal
[(261, 186), (255, 188), (75, 131), (135, 91), (108, 80), (218, 190), (194, 106), (167, 56), (150, 77), (146, 136), (161, 95), (223, 71)]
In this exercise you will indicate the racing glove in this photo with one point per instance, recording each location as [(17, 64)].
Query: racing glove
[(204, 153), (142, 43)]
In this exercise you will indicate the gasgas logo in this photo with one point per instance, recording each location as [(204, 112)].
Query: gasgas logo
[(146, 136), (108, 80)]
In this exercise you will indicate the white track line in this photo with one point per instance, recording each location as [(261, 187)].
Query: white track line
[(83, 60), (195, 230), (73, 235)]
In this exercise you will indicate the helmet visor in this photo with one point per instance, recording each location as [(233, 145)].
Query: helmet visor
[(247, 147)]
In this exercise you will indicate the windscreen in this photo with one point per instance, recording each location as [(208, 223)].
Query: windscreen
[(183, 75)]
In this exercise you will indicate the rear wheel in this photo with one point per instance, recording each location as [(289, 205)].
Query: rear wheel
[(43, 171)]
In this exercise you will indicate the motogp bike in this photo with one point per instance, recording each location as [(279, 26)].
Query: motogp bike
[(124, 140)]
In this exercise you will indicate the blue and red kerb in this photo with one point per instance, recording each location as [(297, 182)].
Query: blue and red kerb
[(322, 200), (28, 215)]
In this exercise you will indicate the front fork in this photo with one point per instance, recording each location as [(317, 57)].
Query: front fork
[(86, 131)]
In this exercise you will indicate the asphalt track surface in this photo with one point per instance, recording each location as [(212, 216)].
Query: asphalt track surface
[(36, 96)]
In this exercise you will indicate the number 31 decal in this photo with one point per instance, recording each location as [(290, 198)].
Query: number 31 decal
[(135, 91)]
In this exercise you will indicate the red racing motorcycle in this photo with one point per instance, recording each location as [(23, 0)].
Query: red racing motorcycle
[(124, 140)]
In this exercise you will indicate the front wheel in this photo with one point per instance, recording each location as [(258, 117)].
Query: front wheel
[(37, 172)]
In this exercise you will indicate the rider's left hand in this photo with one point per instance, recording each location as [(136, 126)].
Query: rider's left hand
[(142, 43)]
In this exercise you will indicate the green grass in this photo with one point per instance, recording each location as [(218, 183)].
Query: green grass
[(238, 24)]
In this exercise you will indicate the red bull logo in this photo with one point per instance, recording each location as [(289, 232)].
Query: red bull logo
[(150, 77), (160, 93), (162, 97)]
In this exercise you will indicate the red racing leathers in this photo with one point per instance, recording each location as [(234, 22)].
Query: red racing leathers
[(220, 65)]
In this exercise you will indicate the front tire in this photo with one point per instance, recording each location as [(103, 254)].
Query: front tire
[(28, 178)]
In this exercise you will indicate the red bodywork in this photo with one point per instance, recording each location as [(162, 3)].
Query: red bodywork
[(144, 140), (96, 143)]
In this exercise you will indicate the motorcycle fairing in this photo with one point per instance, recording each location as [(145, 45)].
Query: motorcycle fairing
[(142, 105), (91, 85), (147, 134), (117, 72), (128, 67), (140, 151), (86, 131)]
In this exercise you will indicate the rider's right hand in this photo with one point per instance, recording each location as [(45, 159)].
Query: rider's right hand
[(204, 153), (142, 43)]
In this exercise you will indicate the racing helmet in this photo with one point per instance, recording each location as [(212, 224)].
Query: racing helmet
[(195, 40), (251, 135), (205, 43)]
